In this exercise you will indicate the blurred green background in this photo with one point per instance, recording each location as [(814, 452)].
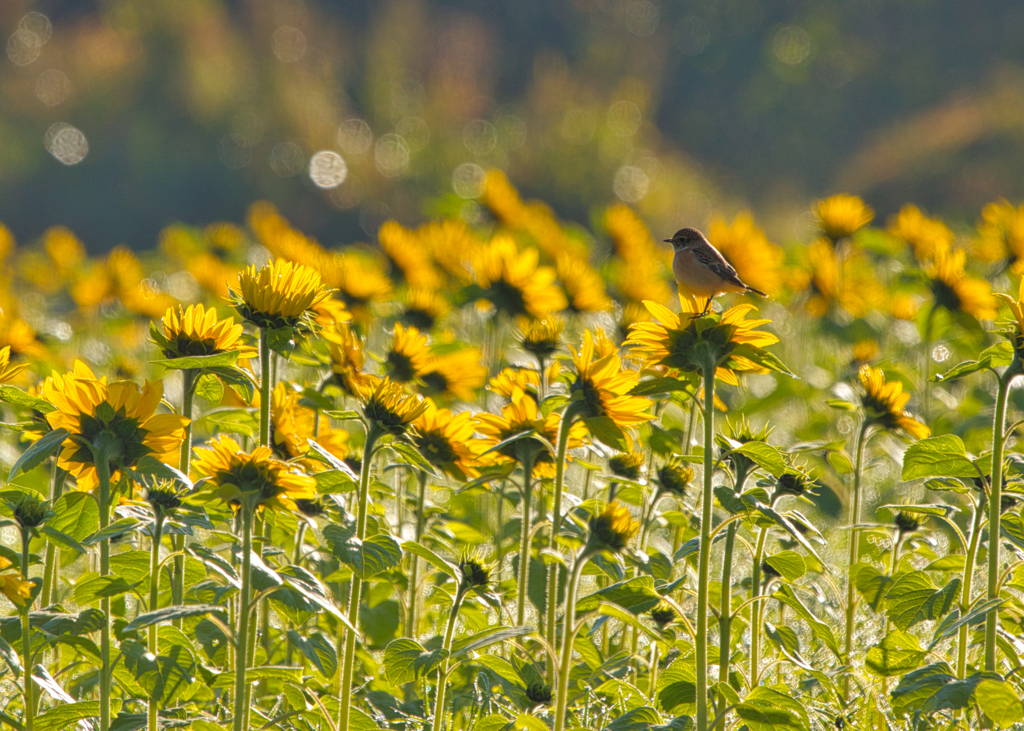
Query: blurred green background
[(118, 117)]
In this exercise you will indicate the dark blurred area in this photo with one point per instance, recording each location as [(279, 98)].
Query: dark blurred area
[(118, 117)]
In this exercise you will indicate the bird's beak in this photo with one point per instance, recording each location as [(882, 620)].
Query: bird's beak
[(668, 241)]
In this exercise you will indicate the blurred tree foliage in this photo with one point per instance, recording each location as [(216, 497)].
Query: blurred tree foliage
[(191, 109)]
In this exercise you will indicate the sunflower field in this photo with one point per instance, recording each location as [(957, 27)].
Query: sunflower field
[(496, 472)]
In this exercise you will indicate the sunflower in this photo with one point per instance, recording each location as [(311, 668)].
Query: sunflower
[(7, 242), (455, 375), (407, 358), (511, 380), (518, 417), (446, 440), (611, 529), (584, 287), (8, 370), (87, 407), (1001, 235), (883, 404), (541, 337), (293, 425), (626, 464), (389, 408), (408, 256), (12, 586), (130, 286), (19, 336), (757, 261), (359, 279), (534, 217), (347, 359), (642, 267), (196, 331), (1016, 332), (842, 215), (849, 282), (674, 477), (956, 291), (424, 308), (512, 281), (235, 476), (212, 273), (61, 260), (452, 244), (671, 340), (925, 235), (280, 294), (225, 236), (331, 312), (601, 385)]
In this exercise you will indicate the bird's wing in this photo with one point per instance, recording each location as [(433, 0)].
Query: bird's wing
[(710, 257)]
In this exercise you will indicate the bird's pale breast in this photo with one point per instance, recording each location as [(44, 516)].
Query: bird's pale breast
[(697, 278)]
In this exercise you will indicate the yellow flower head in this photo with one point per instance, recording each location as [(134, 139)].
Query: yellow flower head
[(519, 416), (757, 261), (512, 281), (674, 477), (257, 479), (7, 242), (87, 406), (331, 312), (849, 282), (390, 408), (359, 280), (446, 440), (455, 375), (541, 337), (347, 359), (883, 403), (626, 464), (8, 370), (225, 236), (1001, 235), (865, 350), (925, 235), (195, 331), (452, 244), (280, 294), (584, 287), (1016, 333), (13, 586), (842, 215), (670, 341), (511, 380), (407, 358), (611, 529), (293, 425), (424, 308), (957, 291), (409, 255)]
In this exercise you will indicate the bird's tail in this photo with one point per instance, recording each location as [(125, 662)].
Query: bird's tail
[(755, 291)]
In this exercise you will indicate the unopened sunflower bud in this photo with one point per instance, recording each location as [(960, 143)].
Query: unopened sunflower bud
[(611, 529)]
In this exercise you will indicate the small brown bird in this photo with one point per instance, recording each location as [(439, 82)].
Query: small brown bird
[(702, 269)]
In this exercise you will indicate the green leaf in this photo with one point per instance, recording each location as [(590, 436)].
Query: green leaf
[(657, 386), (241, 379), (952, 562), (376, 554), (788, 563), (767, 709), (634, 595), (132, 566), (913, 598), (488, 637), (62, 540), (943, 456), (406, 660), (232, 421), (765, 456), (283, 673), (1011, 527), (442, 565), (953, 621), (897, 654), (334, 482), (60, 718), (209, 388), (762, 357), (169, 614), (871, 583), (999, 701), (10, 656), (606, 431), (114, 530), (333, 461), (840, 462), (150, 466), (166, 676), (23, 400), (784, 522), (93, 587), (821, 630), (939, 510), (343, 415), (998, 355), (413, 457), (281, 340), (198, 362), (638, 719), (318, 650), (36, 454)]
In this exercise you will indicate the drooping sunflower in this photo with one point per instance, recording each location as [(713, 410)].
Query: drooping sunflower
[(446, 440), (584, 287), (235, 476), (1015, 333), (280, 294), (454, 375), (842, 215), (17, 335), (757, 261), (883, 404), (12, 586), (611, 529), (518, 417), (87, 406), (331, 312), (406, 360), (347, 360), (603, 386), (541, 337), (511, 380), (389, 407), (925, 235), (627, 464), (671, 340), (512, 281), (196, 331), (957, 291)]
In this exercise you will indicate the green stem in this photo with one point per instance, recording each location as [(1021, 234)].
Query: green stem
[(926, 341), (154, 585), (242, 637), (965, 591), (705, 547), (652, 688), (755, 610), (725, 619), (414, 573), (349, 662), (442, 671), (103, 475), (26, 638), (563, 440), (522, 590), (568, 634), (51, 567), (851, 587), (264, 388), (189, 377), (994, 506)]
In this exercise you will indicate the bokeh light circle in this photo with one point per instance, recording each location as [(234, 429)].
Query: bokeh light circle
[(327, 169)]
